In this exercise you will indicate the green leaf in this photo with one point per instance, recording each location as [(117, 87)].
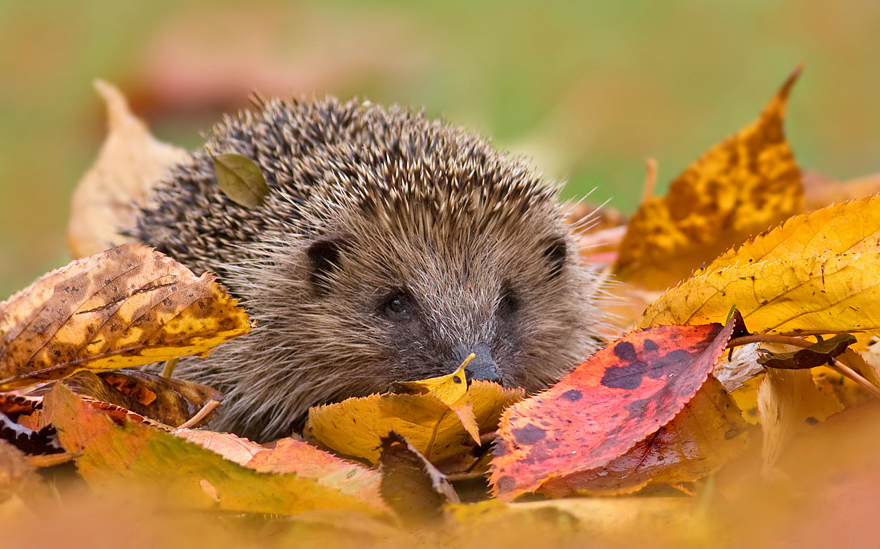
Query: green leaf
[(240, 179)]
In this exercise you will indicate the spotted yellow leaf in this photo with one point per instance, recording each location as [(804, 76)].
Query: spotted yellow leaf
[(126, 306), (740, 187), (796, 296)]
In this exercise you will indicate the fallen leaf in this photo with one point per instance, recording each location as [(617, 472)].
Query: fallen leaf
[(707, 433), (30, 441), (818, 354), (130, 163), (168, 401), (822, 233), (447, 389), (240, 179), (740, 187), (18, 477), (605, 406), (179, 474), (820, 191), (354, 427), (296, 456), (796, 296), (411, 485), (123, 307), (785, 399), (233, 448)]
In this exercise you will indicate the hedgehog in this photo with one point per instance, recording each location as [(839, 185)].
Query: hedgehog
[(390, 247)]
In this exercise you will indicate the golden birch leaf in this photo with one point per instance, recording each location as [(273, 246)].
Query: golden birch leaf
[(852, 227), (742, 186), (794, 296), (126, 306), (785, 399), (355, 427), (130, 163)]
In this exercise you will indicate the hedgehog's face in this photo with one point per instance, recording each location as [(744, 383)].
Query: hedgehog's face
[(411, 304)]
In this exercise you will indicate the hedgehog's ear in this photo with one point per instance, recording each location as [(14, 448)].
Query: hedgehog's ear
[(555, 254), (324, 261)]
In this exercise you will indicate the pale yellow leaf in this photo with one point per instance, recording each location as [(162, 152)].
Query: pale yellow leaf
[(786, 399), (130, 163), (794, 296)]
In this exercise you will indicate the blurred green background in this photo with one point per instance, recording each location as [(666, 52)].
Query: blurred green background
[(587, 89)]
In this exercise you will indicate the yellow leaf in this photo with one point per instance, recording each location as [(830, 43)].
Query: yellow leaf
[(853, 227), (785, 399), (130, 163), (123, 307), (355, 426), (743, 185), (794, 296), (447, 389)]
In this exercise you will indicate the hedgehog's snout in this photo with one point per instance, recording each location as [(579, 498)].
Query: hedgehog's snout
[(482, 367)]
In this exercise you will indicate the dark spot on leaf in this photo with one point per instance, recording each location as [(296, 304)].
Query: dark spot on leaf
[(506, 483), (650, 345), (528, 435), (572, 396), (732, 433), (456, 380)]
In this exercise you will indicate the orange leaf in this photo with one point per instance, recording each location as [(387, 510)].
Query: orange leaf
[(616, 398), (738, 188)]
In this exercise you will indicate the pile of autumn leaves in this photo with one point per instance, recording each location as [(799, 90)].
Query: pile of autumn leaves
[(758, 334)]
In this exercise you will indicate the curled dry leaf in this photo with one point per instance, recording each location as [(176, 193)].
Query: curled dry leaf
[(707, 433), (603, 408), (168, 401), (130, 163), (740, 187), (354, 427), (125, 306), (178, 474), (818, 354), (411, 485)]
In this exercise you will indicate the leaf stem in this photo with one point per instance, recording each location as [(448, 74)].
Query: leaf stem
[(838, 366)]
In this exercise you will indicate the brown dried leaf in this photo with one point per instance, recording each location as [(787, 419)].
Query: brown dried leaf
[(168, 401), (126, 306), (131, 161), (411, 485), (740, 187)]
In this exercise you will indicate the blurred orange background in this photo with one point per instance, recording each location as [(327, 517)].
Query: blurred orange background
[(587, 89)]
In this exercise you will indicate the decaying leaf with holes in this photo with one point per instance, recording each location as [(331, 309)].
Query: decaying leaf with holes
[(126, 306), (602, 409), (742, 186)]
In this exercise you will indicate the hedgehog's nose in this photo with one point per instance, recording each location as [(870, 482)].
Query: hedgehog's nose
[(482, 367)]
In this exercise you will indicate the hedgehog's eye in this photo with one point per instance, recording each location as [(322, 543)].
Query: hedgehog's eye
[(397, 307), (556, 254), (508, 304)]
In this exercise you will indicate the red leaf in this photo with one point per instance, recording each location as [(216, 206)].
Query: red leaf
[(603, 408)]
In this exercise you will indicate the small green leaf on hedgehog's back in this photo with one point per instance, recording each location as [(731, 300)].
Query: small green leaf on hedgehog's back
[(240, 179)]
